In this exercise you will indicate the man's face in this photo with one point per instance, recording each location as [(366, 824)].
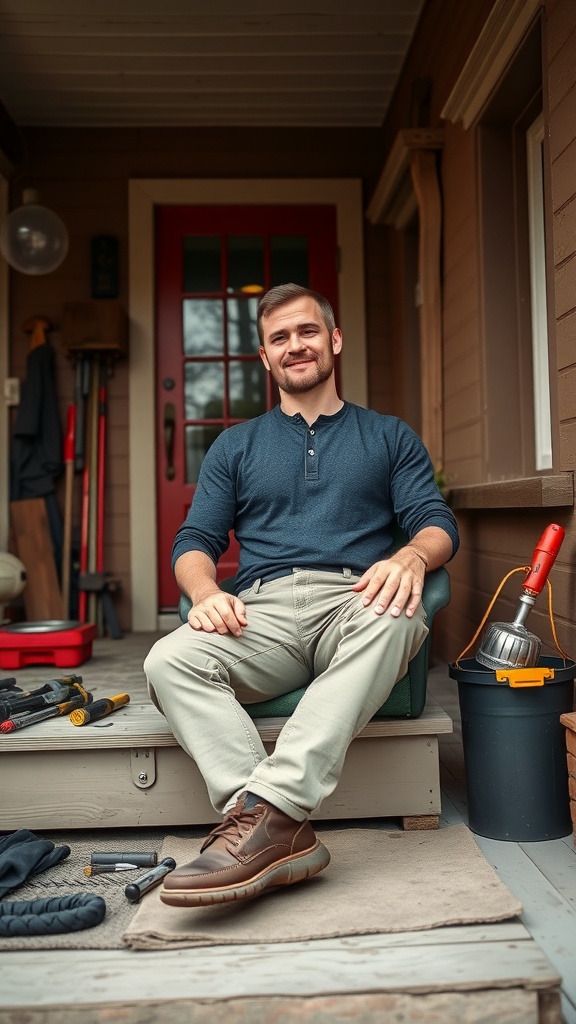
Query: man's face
[(298, 350)]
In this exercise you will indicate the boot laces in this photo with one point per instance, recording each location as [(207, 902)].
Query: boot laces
[(236, 825)]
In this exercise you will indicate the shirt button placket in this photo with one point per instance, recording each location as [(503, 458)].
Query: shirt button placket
[(311, 456)]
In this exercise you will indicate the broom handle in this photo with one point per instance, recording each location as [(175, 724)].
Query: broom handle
[(543, 559)]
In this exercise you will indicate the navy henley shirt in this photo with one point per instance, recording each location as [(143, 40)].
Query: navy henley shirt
[(312, 497)]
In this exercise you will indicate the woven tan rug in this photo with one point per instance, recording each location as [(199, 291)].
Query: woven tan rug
[(68, 878), (377, 881)]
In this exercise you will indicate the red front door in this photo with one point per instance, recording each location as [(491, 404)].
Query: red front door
[(212, 264)]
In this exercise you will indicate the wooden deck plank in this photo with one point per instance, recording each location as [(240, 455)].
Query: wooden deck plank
[(549, 917), (557, 862), (304, 969), (514, 1006)]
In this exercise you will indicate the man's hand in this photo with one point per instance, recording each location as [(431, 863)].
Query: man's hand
[(218, 613), (395, 582)]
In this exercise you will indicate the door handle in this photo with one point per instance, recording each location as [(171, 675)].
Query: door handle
[(169, 431)]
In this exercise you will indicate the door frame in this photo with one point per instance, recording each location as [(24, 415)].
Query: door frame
[(143, 196), (4, 370)]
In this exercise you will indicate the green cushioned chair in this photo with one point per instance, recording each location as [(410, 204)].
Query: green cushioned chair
[(408, 696)]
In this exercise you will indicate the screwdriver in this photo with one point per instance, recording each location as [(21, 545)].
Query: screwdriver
[(99, 709), (102, 869)]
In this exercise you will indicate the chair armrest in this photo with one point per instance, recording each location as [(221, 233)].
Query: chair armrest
[(436, 592)]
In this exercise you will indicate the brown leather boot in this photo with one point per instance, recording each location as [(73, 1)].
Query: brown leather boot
[(254, 849)]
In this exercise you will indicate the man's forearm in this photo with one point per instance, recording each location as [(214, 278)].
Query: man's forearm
[(195, 574), (433, 545)]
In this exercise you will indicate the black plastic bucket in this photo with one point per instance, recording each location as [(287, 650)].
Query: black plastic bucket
[(515, 752)]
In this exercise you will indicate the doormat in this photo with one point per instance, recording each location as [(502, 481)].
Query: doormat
[(376, 882)]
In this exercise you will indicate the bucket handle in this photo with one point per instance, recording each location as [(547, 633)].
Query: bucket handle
[(524, 569)]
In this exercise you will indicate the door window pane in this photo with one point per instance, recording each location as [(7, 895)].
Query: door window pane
[(201, 264), (242, 333), (203, 327), (204, 391), (197, 441), (289, 260), (247, 388), (245, 262)]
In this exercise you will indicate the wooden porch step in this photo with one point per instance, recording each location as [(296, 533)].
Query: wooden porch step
[(473, 972), (128, 769)]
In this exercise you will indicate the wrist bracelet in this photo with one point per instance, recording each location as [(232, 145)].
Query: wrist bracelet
[(421, 557)]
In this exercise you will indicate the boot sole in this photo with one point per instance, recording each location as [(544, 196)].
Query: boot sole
[(285, 872)]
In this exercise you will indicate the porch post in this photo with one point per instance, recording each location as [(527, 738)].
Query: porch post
[(408, 185), (425, 181)]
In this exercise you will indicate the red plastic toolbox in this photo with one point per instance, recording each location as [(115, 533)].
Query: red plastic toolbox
[(38, 644)]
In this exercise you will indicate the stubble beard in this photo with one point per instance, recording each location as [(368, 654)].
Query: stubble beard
[(299, 386)]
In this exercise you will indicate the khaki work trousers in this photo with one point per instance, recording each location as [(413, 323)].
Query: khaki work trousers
[(305, 628)]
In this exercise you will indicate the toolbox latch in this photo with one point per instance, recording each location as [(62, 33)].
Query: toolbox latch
[(143, 766)]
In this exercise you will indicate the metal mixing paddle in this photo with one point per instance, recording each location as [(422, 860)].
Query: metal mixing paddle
[(510, 644)]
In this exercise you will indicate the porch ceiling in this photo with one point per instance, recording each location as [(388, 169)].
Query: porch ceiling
[(182, 62)]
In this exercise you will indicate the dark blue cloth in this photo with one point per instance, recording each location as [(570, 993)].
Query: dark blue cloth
[(37, 439), (310, 497), (23, 854)]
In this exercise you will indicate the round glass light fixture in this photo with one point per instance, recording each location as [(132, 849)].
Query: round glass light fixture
[(33, 239)]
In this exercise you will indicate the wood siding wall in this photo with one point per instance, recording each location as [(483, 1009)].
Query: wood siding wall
[(493, 540), (83, 175)]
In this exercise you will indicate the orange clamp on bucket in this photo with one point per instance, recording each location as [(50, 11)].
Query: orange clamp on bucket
[(518, 677)]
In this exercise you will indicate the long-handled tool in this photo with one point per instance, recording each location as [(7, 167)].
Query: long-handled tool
[(69, 494), (509, 644)]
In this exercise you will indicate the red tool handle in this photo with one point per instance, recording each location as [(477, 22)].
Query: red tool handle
[(543, 558), (70, 436)]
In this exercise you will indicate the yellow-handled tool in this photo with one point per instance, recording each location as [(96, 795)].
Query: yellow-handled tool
[(99, 709)]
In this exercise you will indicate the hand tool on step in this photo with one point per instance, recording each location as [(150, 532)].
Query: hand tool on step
[(103, 869), (9, 684), (142, 860), (32, 717), (99, 709), (510, 644), (55, 691), (135, 890)]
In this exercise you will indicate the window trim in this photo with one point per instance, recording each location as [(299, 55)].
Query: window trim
[(538, 298), (507, 23)]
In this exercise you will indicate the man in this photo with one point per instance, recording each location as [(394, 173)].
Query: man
[(311, 490)]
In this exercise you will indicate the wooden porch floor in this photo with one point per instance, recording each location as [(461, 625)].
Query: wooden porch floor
[(462, 974)]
